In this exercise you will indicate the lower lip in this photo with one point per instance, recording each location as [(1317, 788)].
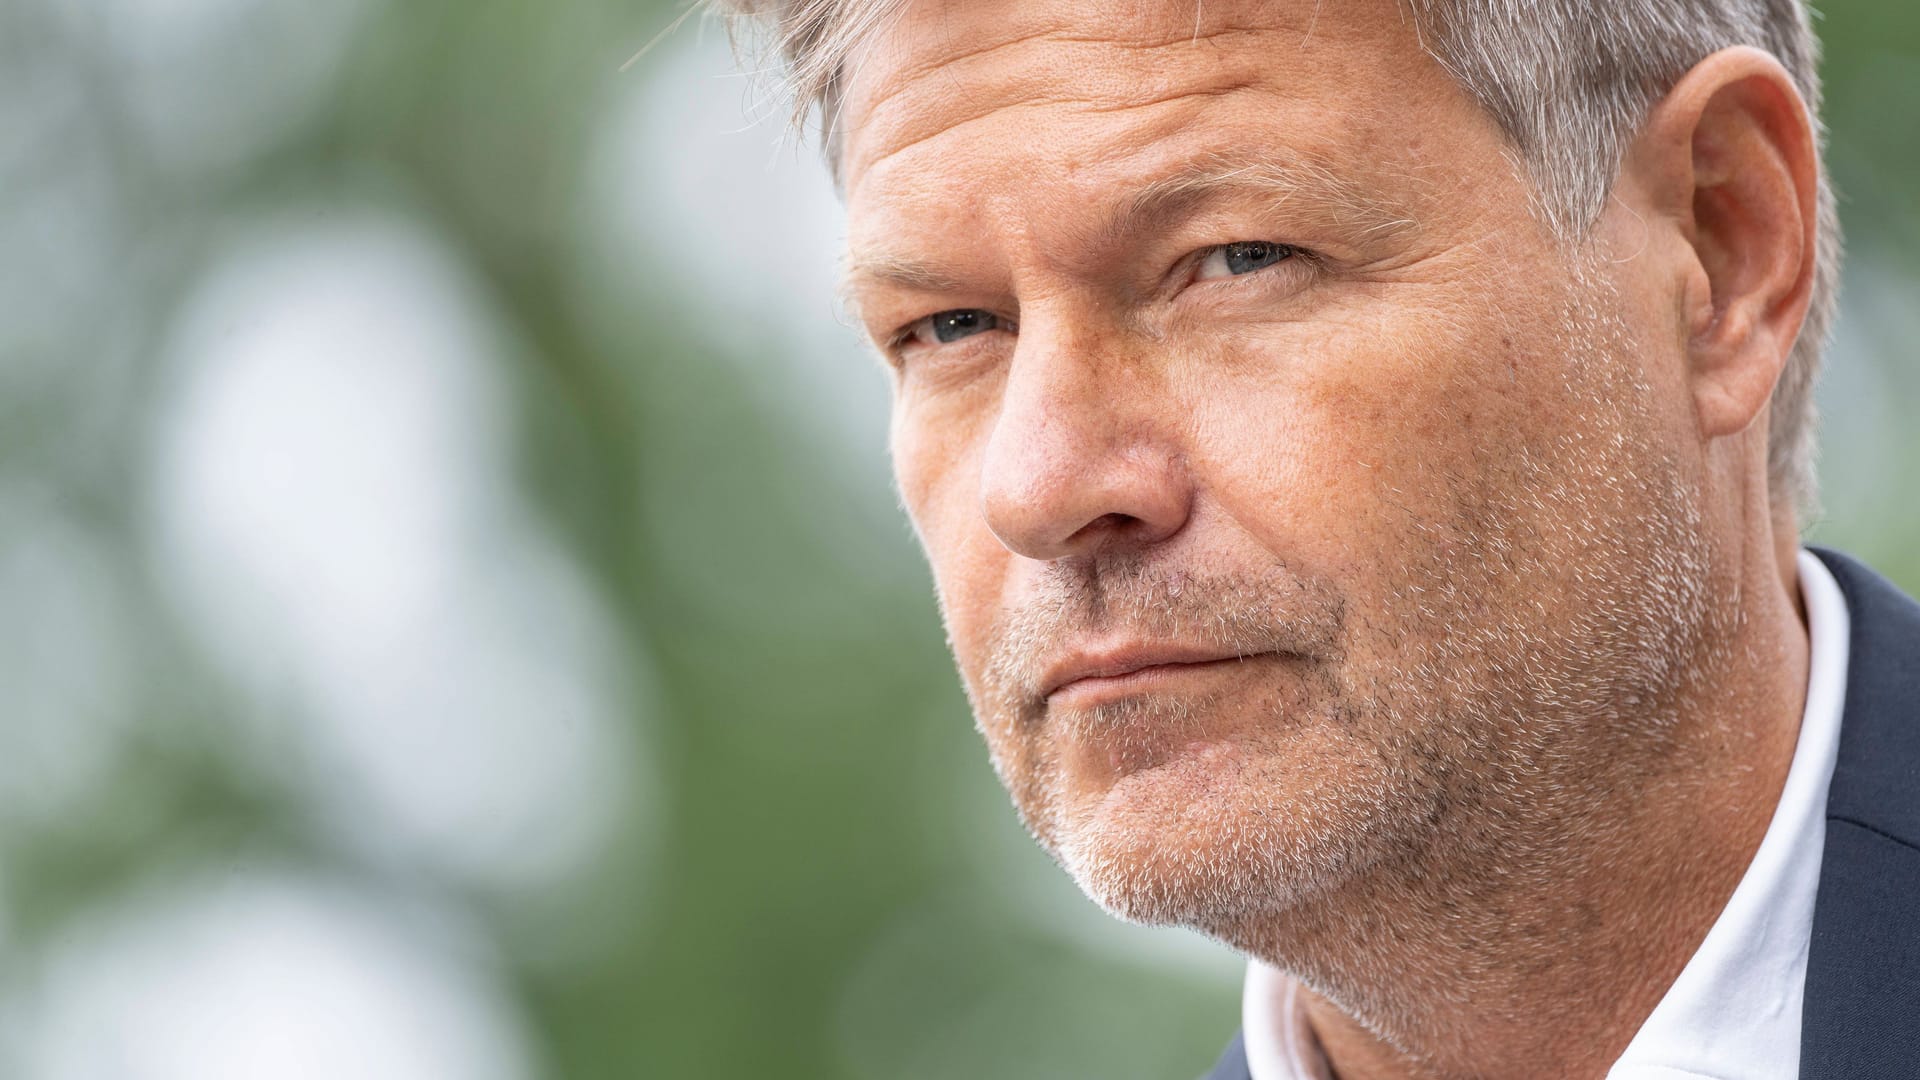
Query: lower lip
[(1106, 689)]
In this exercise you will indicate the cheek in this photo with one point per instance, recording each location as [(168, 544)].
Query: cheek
[(936, 468), (1336, 449), (938, 478)]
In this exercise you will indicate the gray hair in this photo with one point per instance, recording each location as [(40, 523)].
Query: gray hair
[(1568, 81)]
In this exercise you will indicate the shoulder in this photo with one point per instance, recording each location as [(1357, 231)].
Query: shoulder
[(1876, 781), (1863, 956), (1233, 1062)]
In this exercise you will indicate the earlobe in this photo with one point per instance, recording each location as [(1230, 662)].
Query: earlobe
[(1734, 155)]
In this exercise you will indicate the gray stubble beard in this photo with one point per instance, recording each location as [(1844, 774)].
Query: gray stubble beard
[(1496, 751)]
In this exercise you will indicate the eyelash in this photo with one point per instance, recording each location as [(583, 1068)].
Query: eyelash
[(905, 334), (1289, 254), (1281, 253)]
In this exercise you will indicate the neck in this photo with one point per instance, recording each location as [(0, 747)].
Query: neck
[(1544, 954)]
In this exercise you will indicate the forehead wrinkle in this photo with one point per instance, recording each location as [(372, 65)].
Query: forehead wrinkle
[(896, 118), (946, 63)]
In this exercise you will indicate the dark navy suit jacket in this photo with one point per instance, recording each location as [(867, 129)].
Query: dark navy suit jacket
[(1861, 1019)]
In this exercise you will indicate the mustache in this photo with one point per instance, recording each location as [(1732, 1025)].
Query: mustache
[(1270, 609)]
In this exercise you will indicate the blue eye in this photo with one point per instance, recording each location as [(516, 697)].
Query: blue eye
[(948, 327), (951, 326), (1242, 257)]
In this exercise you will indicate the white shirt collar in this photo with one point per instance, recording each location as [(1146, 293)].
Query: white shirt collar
[(1734, 1011)]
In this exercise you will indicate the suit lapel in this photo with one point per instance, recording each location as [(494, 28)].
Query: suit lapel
[(1861, 1019), (1233, 1062)]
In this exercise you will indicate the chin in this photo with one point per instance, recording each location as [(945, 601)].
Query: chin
[(1208, 838)]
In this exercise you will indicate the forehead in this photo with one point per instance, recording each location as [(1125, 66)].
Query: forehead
[(976, 99)]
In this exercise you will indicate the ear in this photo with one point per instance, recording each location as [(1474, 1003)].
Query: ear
[(1729, 156)]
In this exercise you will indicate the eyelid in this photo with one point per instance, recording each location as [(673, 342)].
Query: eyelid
[(1294, 254), (895, 342), (899, 339)]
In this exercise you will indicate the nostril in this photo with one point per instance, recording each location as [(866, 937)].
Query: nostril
[(1118, 524)]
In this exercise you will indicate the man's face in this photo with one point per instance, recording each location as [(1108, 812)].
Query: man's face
[(1301, 512)]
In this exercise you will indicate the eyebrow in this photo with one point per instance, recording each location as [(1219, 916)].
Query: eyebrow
[(897, 270), (1324, 193)]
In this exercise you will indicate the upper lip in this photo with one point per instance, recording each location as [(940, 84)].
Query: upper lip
[(1126, 659)]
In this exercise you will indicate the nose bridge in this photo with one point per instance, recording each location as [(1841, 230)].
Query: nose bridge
[(1085, 451)]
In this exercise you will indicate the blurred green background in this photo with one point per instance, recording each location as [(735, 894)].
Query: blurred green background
[(454, 620)]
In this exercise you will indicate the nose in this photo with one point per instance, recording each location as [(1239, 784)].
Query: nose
[(1084, 454)]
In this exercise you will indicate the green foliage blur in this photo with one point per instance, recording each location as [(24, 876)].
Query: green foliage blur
[(801, 864)]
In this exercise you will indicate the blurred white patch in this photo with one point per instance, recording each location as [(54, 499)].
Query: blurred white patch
[(697, 191), (1867, 448), (264, 978), (1853, 386), (64, 659), (209, 84), (334, 511)]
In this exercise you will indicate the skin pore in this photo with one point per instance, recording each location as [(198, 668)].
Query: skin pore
[(1337, 562)]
